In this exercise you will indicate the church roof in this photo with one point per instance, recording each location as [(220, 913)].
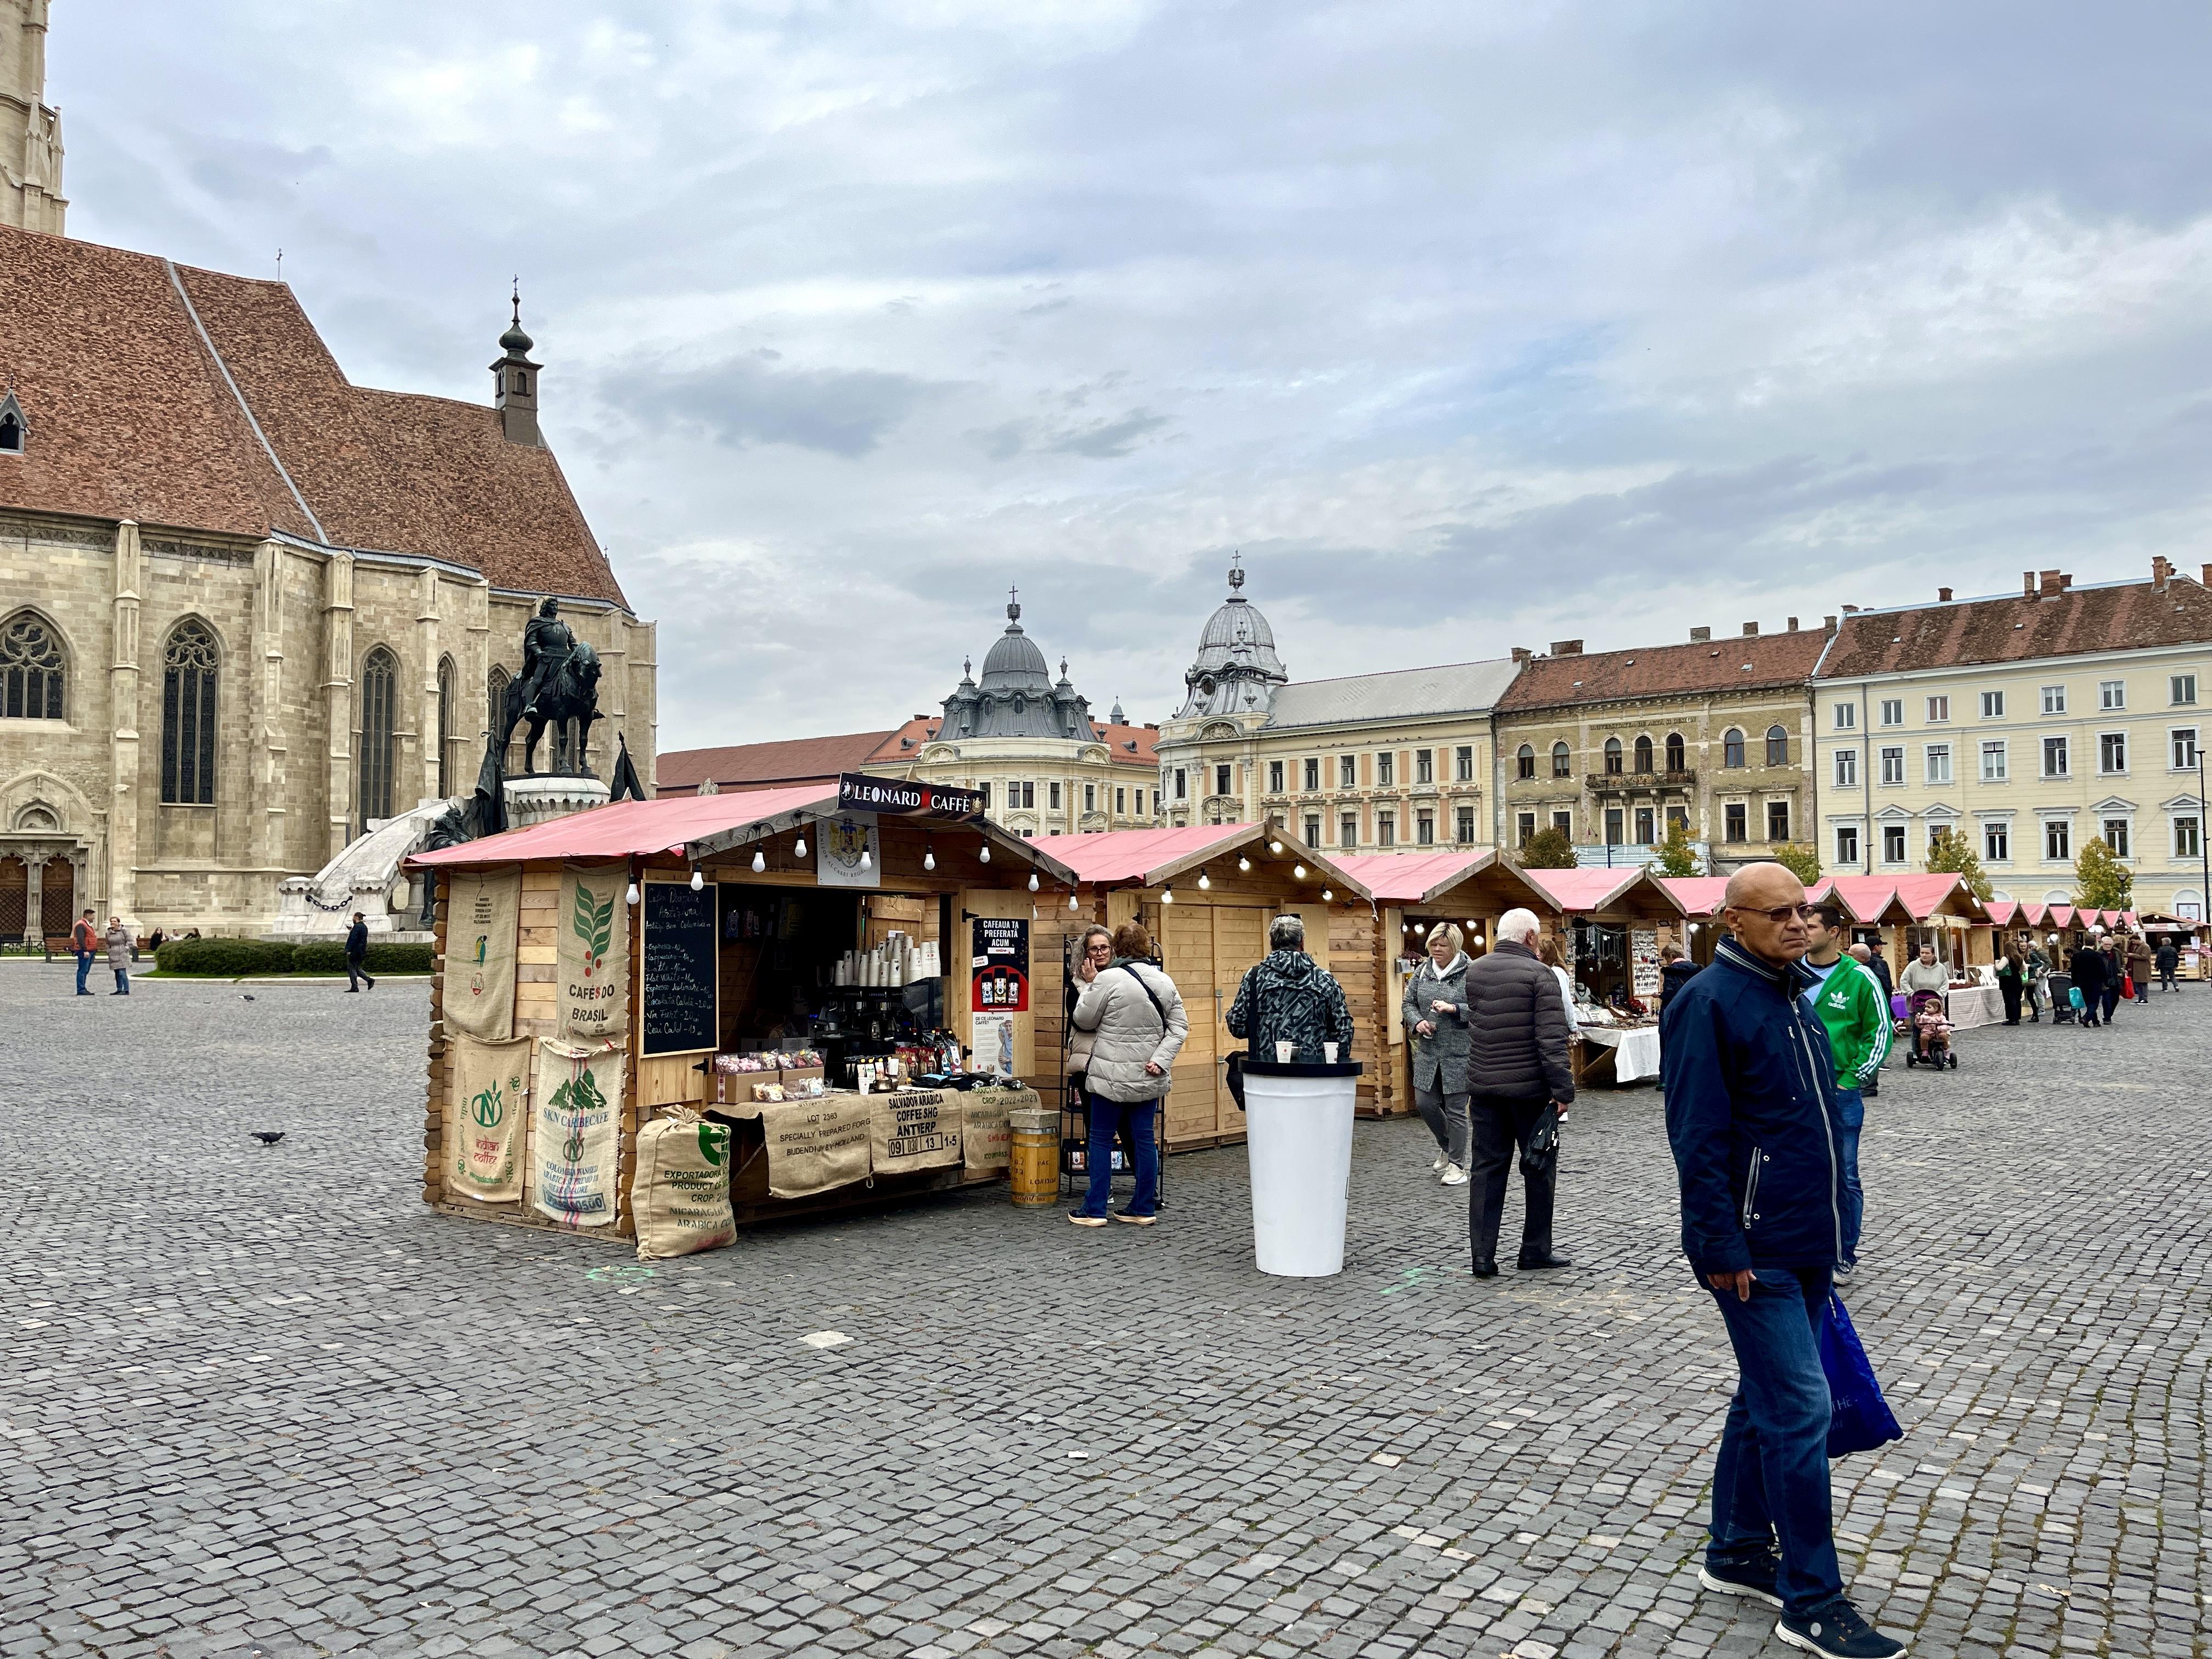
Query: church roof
[(132, 398)]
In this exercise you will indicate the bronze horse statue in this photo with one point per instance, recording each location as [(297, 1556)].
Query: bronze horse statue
[(570, 703)]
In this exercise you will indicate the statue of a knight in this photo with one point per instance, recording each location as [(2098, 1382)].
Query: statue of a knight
[(546, 645)]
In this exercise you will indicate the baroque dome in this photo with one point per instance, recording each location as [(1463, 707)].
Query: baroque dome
[(1016, 696), (1237, 669)]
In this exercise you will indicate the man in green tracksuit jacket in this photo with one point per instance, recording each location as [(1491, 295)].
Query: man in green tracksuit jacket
[(1850, 1003)]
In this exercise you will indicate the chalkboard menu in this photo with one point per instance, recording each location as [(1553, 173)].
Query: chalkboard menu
[(681, 988)]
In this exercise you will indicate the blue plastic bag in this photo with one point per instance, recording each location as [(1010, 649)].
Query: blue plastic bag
[(1863, 1420), (2074, 997)]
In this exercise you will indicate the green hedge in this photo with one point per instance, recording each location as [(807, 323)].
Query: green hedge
[(233, 958)]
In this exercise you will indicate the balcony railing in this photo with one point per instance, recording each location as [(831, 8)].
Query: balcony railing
[(1640, 782)]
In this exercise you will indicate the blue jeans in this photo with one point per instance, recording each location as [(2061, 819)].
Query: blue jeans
[(1850, 1115), (85, 959), (123, 982), (1770, 1480), (1107, 1118)]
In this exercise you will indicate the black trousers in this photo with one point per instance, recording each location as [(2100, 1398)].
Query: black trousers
[(1502, 1126), (2009, 990), (356, 974)]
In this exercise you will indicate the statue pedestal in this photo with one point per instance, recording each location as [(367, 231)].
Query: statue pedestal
[(541, 797)]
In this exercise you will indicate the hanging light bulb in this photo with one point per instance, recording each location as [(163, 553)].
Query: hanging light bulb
[(865, 859), (631, 897), (697, 880), (1167, 896), (1033, 881), (1205, 881), (929, 857), (986, 854), (1327, 894), (760, 860), (1299, 870), (798, 847), (1274, 847), (1243, 863), (1071, 898)]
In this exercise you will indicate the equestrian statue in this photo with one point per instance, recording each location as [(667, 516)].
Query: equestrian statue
[(559, 687)]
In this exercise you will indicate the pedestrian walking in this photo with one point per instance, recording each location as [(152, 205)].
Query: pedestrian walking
[(2039, 970), (84, 939), (1434, 1009), (357, 955), (1751, 1118), (1675, 970), (1288, 997), (1136, 1019), (1924, 973), (2087, 964), (2139, 965), (2168, 959), (2011, 980), (119, 955), (1877, 964), (1850, 1005), (1521, 1080), (2115, 970)]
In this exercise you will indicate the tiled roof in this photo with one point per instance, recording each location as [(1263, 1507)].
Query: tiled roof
[(1401, 694), (131, 416), (906, 742), (2108, 616), (1661, 670), (766, 765)]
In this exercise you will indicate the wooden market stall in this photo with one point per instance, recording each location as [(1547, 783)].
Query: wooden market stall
[(757, 959), (1702, 899), (1897, 915), (1207, 893), (1610, 923), (1413, 892)]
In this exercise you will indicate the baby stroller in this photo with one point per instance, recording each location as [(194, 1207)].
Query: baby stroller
[(1931, 1033), (2059, 987)]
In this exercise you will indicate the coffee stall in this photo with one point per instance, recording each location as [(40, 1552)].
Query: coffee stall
[(831, 981)]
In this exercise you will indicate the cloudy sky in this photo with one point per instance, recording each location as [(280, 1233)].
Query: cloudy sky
[(1471, 325)]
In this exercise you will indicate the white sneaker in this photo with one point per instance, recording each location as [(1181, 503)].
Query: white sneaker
[(1453, 1176), (1439, 1167)]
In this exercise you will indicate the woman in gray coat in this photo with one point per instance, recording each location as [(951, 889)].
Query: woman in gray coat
[(1435, 1011), (119, 955), (1134, 1014)]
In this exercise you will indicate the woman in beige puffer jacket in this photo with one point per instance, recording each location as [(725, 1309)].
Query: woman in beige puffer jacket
[(1135, 1018)]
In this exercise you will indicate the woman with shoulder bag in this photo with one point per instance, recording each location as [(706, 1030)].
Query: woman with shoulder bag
[(1134, 1016), (1092, 957), (1435, 1012)]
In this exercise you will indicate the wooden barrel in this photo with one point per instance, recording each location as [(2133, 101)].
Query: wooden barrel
[(1033, 1171)]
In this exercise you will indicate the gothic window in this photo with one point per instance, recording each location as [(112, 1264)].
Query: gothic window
[(380, 685), (1644, 754), (448, 679), (31, 669), (1676, 761), (11, 425), (495, 686), (189, 661)]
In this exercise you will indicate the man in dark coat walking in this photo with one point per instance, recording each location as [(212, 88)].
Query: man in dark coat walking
[(1519, 1076), (2087, 964), (357, 955), (1751, 1118), (1675, 971)]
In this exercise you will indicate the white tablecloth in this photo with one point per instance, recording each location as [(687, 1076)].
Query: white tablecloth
[(1638, 1049), (1974, 1005)]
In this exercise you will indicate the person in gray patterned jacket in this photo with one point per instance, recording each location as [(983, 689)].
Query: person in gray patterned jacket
[(1288, 997)]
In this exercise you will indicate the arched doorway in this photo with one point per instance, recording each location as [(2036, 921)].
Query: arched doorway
[(58, 897), (15, 898)]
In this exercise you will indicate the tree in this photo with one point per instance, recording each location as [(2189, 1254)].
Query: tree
[(1950, 853), (2101, 882), (1799, 859), (1676, 855), (1548, 850)]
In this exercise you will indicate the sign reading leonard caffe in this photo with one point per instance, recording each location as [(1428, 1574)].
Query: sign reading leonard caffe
[(888, 798)]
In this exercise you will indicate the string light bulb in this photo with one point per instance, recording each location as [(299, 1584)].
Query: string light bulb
[(631, 897), (1243, 863), (865, 861), (1167, 896), (1205, 882), (1274, 847), (798, 847), (698, 881), (986, 854), (1033, 881), (1071, 898), (1327, 894), (929, 857), (760, 860), (1299, 870)]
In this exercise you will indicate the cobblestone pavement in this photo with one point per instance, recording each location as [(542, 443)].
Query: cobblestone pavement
[(263, 1401)]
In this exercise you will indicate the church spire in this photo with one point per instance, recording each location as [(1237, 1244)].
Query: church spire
[(30, 143), (515, 380)]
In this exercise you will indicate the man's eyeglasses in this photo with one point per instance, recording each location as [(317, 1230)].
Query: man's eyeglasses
[(1781, 913)]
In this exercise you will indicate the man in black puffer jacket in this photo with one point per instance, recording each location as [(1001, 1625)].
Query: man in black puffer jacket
[(1520, 1074)]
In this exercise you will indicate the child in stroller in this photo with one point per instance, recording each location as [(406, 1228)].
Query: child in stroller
[(1931, 1033)]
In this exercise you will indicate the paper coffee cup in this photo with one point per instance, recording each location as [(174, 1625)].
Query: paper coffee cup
[(1284, 1051), (1329, 1052)]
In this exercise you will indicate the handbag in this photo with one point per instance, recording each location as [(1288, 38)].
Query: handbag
[(1542, 1150), (1861, 1420), (1234, 1077)]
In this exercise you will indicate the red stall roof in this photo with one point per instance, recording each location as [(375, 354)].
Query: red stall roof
[(1921, 895), (2004, 912), (1576, 892), (1698, 895), (1411, 878), (1149, 858)]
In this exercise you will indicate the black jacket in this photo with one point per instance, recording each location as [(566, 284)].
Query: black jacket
[(357, 941), (2088, 968), (1673, 977), (1517, 1031)]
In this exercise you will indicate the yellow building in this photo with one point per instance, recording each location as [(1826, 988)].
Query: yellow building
[(2029, 724), (1370, 762)]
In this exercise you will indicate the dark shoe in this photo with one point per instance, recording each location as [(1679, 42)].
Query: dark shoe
[(1836, 1629), (353, 990), (84, 993), (1528, 1263), (1486, 1269), (1754, 1580)]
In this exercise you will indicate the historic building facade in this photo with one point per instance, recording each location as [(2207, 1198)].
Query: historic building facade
[(30, 129), (248, 609), (1366, 763), (2028, 723), (1612, 746)]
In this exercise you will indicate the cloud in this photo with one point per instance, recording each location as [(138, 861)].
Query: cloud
[(746, 400)]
